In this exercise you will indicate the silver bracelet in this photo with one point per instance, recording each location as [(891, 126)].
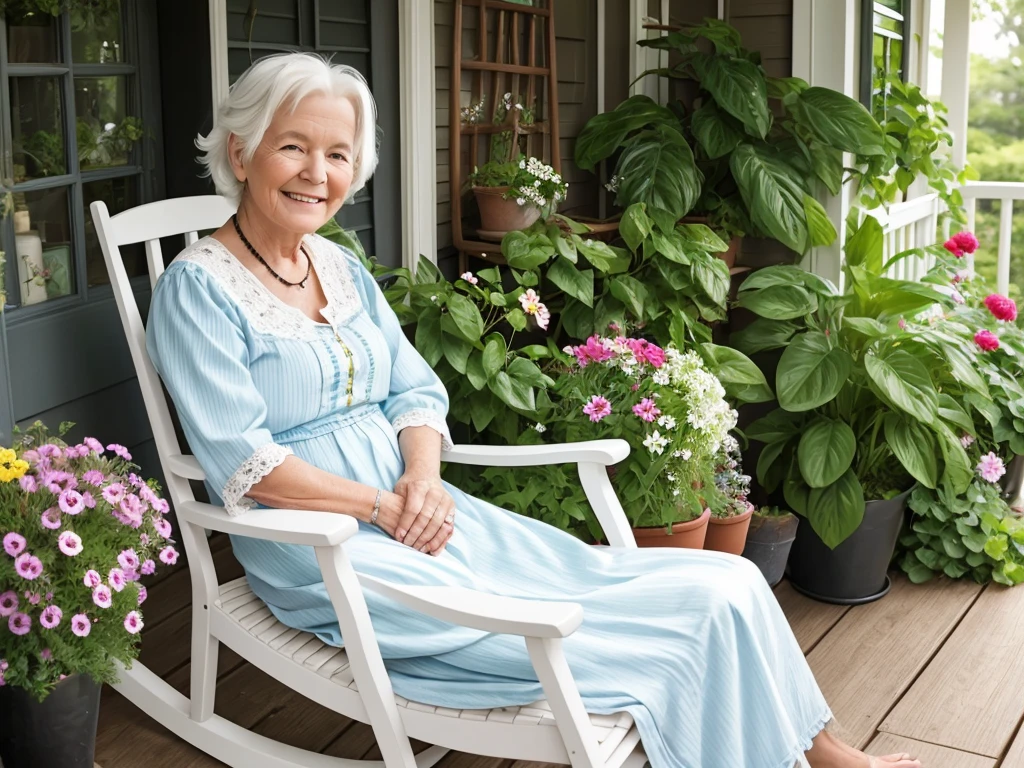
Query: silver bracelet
[(376, 508)]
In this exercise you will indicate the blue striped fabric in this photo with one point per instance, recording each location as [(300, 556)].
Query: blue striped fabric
[(693, 644)]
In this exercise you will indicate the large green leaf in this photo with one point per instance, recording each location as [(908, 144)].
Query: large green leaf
[(953, 412), (634, 226), (605, 258), (475, 370), (773, 193), (836, 510), (494, 354), (828, 166), (716, 132), (712, 274), (914, 445), (630, 292), (819, 226), (839, 121), (456, 351), (731, 366), (777, 426), (900, 378), (657, 168), (467, 317), (524, 250), (766, 460), (528, 373), (513, 392), (702, 238), (825, 451), (763, 334), (811, 372), (957, 472), (779, 302), (670, 246), (603, 133), (739, 88), (428, 337), (577, 283), (864, 248)]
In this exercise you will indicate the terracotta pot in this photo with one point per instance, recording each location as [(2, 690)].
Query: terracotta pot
[(500, 215), (729, 534), (689, 535)]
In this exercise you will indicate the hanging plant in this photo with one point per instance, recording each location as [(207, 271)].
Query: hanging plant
[(84, 13)]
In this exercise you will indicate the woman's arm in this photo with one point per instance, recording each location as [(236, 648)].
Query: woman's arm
[(425, 523)]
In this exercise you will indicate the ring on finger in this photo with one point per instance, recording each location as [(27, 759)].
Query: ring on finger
[(450, 518)]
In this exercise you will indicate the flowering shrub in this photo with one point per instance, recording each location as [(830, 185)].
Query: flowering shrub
[(530, 182), (730, 480), (79, 530)]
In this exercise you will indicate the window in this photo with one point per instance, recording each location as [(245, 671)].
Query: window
[(884, 49), (71, 111)]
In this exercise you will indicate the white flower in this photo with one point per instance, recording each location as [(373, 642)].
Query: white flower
[(660, 378), (536, 183), (668, 422), (684, 454), (656, 442), (470, 278), (433, 298), (540, 428), (520, 201), (567, 349), (522, 164)]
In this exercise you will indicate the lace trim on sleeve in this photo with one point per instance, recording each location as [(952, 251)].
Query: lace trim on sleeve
[(266, 458), (424, 417)]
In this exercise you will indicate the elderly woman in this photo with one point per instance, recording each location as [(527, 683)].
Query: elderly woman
[(297, 389)]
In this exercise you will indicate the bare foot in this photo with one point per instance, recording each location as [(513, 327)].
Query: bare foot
[(902, 760), (829, 752)]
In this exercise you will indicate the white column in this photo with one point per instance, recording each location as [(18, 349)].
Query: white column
[(824, 40), (218, 52), (956, 65)]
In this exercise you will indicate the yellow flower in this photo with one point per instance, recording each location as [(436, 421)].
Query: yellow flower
[(11, 467), (7, 455)]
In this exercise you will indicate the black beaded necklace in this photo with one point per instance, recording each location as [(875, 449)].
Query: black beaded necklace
[(309, 264)]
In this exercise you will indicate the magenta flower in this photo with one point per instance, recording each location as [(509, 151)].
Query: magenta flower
[(593, 351), (102, 596), (991, 467), (655, 355), (92, 579), (14, 544), (49, 451), (81, 625), (28, 566), (8, 603), (70, 543), (116, 579), (148, 568), (163, 528), (28, 483), (147, 495), (967, 441), (46, 654), (51, 616), (987, 340), (128, 559), (94, 478), (168, 555), (470, 278), (51, 519), (144, 539), (1001, 307), (33, 597), (647, 410), (133, 622), (93, 445), (143, 594), (597, 408), (114, 493), (19, 623), (120, 450), (902, 324), (161, 507), (961, 244), (88, 500)]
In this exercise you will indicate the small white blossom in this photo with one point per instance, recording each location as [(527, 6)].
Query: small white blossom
[(656, 442), (433, 298), (668, 422), (660, 378)]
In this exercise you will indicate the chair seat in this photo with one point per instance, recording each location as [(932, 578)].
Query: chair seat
[(238, 603)]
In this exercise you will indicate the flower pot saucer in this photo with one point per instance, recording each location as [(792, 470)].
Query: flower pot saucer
[(491, 235), (845, 600)]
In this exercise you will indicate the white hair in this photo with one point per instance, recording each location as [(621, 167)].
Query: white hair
[(277, 81)]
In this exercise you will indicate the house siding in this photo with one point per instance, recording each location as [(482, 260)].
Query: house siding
[(766, 26)]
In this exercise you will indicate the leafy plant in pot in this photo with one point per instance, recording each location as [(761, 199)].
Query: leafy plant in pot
[(860, 416), (512, 195), (79, 530), (769, 540), (725, 155)]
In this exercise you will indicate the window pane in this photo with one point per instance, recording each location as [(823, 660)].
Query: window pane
[(43, 245), (38, 127), (98, 42), (31, 35), (895, 5), (106, 134), (119, 195)]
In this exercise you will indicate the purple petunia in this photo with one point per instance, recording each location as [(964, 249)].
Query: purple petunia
[(116, 579), (92, 579), (51, 519), (128, 559), (114, 493), (101, 596), (14, 544), (51, 616), (143, 594), (8, 603), (70, 543), (148, 568), (19, 623), (28, 566), (93, 445), (168, 555), (81, 625), (88, 500), (94, 478), (71, 502), (28, 483), (133, 622), (49, 451), (120, 450), (163, 528), (160, 506)]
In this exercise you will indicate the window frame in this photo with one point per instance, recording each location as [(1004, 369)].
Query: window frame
[(868, 32)]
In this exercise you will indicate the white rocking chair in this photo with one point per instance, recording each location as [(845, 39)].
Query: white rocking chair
[(352, 680)]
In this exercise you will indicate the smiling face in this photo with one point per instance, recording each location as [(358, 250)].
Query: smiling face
[(301, 172)]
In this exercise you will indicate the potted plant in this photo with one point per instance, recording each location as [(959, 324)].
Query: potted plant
[(730, 519), (860, 416), (79, 530), (771, 535), (512, 195)]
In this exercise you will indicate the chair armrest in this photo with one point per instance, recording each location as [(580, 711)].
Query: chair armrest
[(288, 526), (605, 452), (185, 466), (479, 610)]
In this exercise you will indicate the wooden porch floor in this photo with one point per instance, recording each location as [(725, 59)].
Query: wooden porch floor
[(936, 670)]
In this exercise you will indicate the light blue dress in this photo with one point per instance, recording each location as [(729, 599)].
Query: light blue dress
[(692, 644)]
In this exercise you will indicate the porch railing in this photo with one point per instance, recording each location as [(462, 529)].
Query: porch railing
[(1007, 192)]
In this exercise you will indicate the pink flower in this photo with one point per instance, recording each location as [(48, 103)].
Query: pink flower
[(143, 594), (88, 500), (33, 597), (51, 616), (133, 622), (991, 467), (49, 451), (92, 579), (116, 579), (14, 544), (470, 278), (958, 297), (131, 575), (120, 450), (168, 555), (655, 355), (902, 324), (593, 351), (93, 445), (114, 493), (51, 519), (46, 654), (987, 340), (162, 527), (81, 625), (28, 566), (647, 410), (1001, 307), (532, 305), (19, 623), (161, 507), (961, 244), (128, 559), (543, 317), (102, 596), (70, 543), (94, 478), (135, 480), (967, 441), (148, 568), (76, 451), (597, 408), (28, 483), (144, 539), (8, 603)]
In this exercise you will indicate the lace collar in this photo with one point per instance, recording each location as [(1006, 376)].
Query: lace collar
[(265, 311)]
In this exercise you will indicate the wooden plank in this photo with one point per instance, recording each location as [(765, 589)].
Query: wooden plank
[(1015, 757), (874, 653), (930, 755), (969, 697), (809, 619)]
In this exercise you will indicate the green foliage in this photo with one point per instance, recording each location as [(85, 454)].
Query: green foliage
[(85, 14)]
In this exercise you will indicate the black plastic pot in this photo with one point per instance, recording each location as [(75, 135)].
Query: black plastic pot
[(59, 732), (768, 543), (855, 571), (1013, 481)]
